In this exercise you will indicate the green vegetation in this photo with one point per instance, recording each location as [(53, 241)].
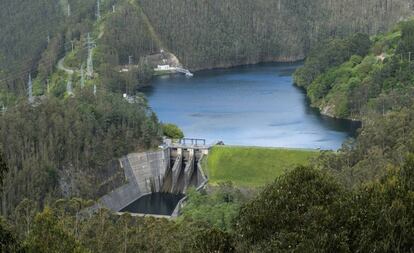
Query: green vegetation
[(253, 167), (309, 211), (202, 34), (125, 34), (35, 35), (376, 89), (360, 82), (305, 210), (210, 34), (217, 208), (172, 131), (61, 228), (64, 147), (330, 54)]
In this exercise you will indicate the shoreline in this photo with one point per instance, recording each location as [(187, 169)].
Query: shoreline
[(280, 60)]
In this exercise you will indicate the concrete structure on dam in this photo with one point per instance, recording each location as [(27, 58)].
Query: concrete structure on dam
[(174, 168)]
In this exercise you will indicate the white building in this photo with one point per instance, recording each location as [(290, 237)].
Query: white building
[(163, 67)]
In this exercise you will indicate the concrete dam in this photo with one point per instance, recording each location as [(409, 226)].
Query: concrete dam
[(174, 168)]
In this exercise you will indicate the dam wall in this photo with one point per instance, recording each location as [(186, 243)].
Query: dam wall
[(172, 169), (144, 173)]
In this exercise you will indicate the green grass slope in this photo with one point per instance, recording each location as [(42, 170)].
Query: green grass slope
[(251, 166)]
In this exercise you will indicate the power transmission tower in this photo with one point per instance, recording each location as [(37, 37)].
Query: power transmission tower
[(47, 86), (69, 12), (69, 88), (82, 78), (30, 89), (130, 60), (89, 65), (98, 10)]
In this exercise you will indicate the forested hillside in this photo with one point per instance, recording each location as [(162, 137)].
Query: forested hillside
[(373, 84), (126, 36), (35, 34), (64, 147), (346, 83), (205, 34), (25, 27)]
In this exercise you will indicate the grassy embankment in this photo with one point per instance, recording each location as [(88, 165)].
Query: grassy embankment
[(253, 166)]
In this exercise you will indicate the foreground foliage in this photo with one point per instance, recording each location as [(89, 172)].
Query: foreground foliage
[(309, 211), (218, 207), (305, 210)]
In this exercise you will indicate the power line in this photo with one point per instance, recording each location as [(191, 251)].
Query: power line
[(12, 76)]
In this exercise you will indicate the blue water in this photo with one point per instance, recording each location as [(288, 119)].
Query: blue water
[(252, 105)]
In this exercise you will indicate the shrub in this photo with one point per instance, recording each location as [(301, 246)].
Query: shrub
[(172, 131)]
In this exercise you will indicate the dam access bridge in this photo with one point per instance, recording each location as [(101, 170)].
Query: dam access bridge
[(174, 168)]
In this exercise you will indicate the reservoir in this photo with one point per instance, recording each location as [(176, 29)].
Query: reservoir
[(255, 105)]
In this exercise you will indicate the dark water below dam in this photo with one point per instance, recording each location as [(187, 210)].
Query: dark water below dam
[(254, 105), (155, 203)]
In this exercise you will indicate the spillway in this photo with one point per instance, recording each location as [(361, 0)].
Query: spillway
[(153, 176)]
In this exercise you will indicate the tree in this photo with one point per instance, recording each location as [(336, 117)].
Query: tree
[(301, 211), (73, 141), (213, 240), (49, 236), (8, 241), (3, 169), (382, 217), (172, 131), (23, 217), (407, 42)]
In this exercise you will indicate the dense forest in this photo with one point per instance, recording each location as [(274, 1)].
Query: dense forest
[(374, 86), (59, 151), (64, 147), (126, 39), (34, 35), (206, 34), (306, 210), (347, 83)]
